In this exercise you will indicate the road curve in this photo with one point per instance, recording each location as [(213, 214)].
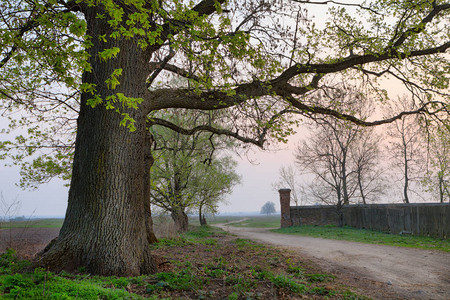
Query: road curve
[(407, 273)]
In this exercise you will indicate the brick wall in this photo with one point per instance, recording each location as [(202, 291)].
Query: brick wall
[(427, 219), (285, 203)]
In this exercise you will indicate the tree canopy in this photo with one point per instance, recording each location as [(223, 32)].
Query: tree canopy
[(238, 56), (108, 64), (190, 171)]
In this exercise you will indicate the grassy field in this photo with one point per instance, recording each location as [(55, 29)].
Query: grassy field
[(205, 263), (368, 236), (34, 223), (258, 222)]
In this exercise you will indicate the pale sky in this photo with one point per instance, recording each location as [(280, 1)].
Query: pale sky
[(255, 190)]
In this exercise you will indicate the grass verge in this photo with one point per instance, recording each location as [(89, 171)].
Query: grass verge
[(368, 236), (205, 263), (258, 222)]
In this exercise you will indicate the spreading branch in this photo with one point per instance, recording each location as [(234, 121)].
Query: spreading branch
[(206, 128)]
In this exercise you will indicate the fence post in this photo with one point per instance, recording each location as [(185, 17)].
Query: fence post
[(285, 204)]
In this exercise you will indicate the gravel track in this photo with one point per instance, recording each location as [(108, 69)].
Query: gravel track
[(402, 273)]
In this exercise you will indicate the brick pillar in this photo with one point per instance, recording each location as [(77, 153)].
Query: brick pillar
[(285, 204)]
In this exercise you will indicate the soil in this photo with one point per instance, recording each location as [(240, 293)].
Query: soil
[(26, 241), (379, 271)]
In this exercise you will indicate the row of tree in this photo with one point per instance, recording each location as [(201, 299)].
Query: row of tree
[(351, 164)]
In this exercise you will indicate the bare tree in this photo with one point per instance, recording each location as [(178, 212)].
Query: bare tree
[(365, 156), (8, 211), (288, 177), (406, 148), (343, 157), (437, 177), (268, 208), (326, 155)]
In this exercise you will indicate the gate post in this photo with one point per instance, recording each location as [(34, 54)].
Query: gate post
[(285, 204)]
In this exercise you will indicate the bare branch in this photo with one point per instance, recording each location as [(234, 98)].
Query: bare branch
[(313, 110), (421, 26), (177, 70), (337, 3), (159, 67), (206, 128)]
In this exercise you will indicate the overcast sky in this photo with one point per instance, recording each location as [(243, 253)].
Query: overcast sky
[(255, 190)]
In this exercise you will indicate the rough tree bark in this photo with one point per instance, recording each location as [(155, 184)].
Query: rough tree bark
[(148, 161), (107, 228), (180, 218)]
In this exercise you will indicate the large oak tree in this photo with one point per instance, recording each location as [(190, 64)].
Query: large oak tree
[(108, 63)]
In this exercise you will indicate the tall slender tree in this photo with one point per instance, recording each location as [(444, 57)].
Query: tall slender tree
[(365, 155), (437, 178), (407, 149), (214, 182)]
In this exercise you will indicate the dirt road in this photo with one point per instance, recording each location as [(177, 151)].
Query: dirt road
[(402, 273)]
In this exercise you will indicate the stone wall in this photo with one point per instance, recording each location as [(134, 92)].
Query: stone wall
[(427, 219)]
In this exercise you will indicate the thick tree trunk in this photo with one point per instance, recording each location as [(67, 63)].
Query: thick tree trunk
[(106, 225), (107, 228), (201, 217), (180, 218)]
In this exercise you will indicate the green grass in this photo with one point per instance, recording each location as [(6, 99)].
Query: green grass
[(368, 236), (259, 222), (34, 223), (41, 284), (202, 235), (237, 269), (45, 285)]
